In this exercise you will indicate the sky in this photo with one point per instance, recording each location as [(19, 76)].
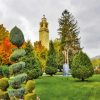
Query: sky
[(27, 14)]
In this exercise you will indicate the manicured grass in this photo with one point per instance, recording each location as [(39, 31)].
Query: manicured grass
[(63, 88)]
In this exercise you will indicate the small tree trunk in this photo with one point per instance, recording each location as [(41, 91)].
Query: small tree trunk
[(82, 79)]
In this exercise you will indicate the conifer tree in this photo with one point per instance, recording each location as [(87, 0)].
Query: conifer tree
[(68, 31), (51, 60), (32, 67), (82, 67)]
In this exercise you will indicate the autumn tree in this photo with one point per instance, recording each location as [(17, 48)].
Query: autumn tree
[(5, 46), (41, 53)]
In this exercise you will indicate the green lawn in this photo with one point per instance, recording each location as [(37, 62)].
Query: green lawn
[(63, 88)]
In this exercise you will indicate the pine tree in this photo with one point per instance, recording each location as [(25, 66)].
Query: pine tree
[(51, 60), (68, 31)]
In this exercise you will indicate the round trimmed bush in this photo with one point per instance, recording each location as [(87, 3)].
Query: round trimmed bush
[(33, 74), (81, 66), (30, 86), (50, 70), (4, 84)]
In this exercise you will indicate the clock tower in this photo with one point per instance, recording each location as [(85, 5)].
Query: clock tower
[(44, 33)]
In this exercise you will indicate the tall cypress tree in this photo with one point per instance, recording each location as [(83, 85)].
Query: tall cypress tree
[(51, 60), (68, 31)]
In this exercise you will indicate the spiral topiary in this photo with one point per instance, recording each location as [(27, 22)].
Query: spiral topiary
[(17, 77)]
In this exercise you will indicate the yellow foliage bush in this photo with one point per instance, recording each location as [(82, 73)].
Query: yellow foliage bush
[(30, 96), (30, 86), (4, 84)]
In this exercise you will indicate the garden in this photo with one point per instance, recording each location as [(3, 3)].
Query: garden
[(30, 72)]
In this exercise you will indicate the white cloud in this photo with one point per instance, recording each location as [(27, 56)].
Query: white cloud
[(26, 14)]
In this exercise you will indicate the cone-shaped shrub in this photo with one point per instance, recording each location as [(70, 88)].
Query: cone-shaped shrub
[(81, 66)]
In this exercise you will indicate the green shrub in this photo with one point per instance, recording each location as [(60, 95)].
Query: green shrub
[(5, 71), (17, 54), (16, 37), (17, 67), (33, 74), (30, 86), (50, 70), (16, 81), (18, 93), (4, 84), (30, 96), (81, 66), (4, 95)]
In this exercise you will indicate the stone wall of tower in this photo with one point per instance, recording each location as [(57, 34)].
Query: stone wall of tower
[(44, 33)]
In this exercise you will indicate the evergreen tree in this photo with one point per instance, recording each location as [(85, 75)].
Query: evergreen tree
[(68, 32), (81, 66), (32, 67), (59, 54), (51, 60)]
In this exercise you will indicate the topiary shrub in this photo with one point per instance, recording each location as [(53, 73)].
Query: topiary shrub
[(4, 84), (18, 93), (16, 37), (17, 54), (51, 70), (17, 67), (4, 95), (16, 81), (17, 90), (30, 96), (81, 66), (30, 86)]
